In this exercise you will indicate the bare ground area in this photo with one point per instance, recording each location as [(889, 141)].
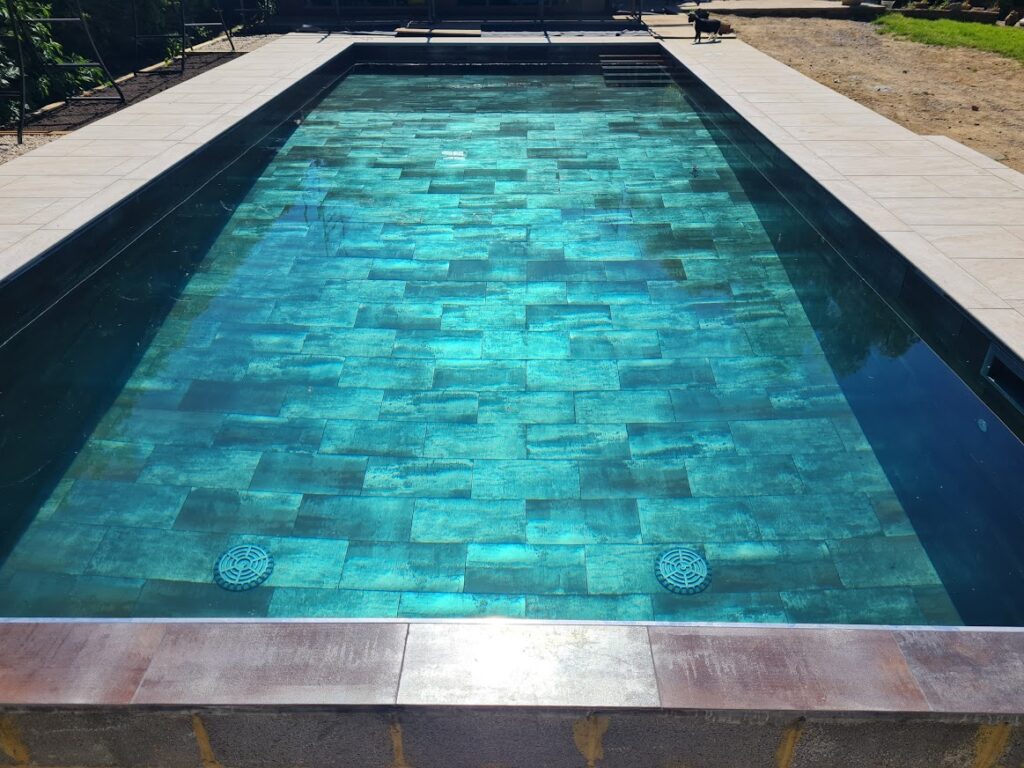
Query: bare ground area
[(928, 89)]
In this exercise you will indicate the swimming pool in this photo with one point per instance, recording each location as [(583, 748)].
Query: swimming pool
[(460, 341)]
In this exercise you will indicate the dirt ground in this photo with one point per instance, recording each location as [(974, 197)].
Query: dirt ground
[(928, 89)]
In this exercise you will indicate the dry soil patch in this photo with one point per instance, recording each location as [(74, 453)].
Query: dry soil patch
[(974, 97)]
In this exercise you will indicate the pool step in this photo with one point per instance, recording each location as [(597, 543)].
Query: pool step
[(634, 71)]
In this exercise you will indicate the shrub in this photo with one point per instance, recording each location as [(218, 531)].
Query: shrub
[(44, 83)]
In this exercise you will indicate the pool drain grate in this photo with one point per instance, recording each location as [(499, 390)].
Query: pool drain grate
[(243, 567), (683, 571)]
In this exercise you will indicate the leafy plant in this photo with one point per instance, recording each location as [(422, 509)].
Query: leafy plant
[(44, 82)]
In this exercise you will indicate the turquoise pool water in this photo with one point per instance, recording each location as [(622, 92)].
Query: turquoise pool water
[(485, 345)]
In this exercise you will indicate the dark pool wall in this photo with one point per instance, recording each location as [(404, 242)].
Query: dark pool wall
[(955, 461)]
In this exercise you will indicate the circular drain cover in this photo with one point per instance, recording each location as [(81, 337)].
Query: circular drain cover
[(683, 571), (243, 567)]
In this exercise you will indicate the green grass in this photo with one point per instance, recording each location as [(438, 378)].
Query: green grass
[(1006, 41)]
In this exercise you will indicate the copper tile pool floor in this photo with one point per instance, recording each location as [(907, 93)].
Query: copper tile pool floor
[(487, 345)]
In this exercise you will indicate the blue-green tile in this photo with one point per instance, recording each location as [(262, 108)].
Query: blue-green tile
[(450, 406), (221, 510), (461, 520), (529, 479), (374, 438), (299, 603), (300, 562), (582, 521), (447, 604), (211, 467), (475, 441), (883, 561), (791, 436), (57, 547), (744, 476), (103, 502), (354, 517), (308, 473), (590, 607), (110, 460), (527, 407), (445, 478), (577, 441), (633, 478), (525, 568), (695, 521), (405, 567), (269, 433)]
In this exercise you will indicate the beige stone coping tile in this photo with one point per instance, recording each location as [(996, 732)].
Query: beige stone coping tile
[(949, 211), (1007, 324), (1003, 275), (14, 233), (870, 210), (915, 146), (144, 148), (1013, 177), (12, 257), (946, 273), (531, 664), (114, 131), (17, 210), (156, 106), (67, 146), (897, 186), (54, 186), (804, 119), (167, 159), (809, 161), (979, 185), (93, 206), (32, 165), (56, 208), (904, 166), (845, 133), (972, 155), (974, 242), (802, 107)]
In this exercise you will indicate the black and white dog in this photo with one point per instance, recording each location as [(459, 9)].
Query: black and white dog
[(701, 24)]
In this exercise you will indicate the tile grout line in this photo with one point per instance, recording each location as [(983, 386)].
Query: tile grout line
[(654, 666), (152, 657), (401, 666), (913, 674)]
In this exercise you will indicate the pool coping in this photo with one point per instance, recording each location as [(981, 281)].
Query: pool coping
[(726, 667), (973, 673)]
